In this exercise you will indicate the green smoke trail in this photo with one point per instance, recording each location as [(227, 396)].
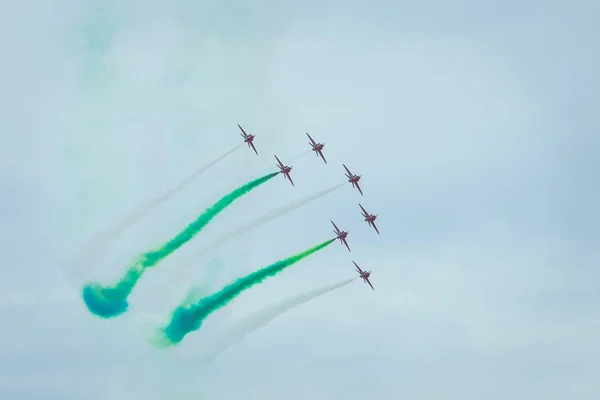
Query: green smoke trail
[(188, 318), (111, 301)]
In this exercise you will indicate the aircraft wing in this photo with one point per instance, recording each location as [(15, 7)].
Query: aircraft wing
[(290, 178), (253, 148), (335, 226), (369, 282), (322, 156), (346, 243), (375, 226), (358, 187), (312, 142), (365, 213), (243, 131), (360, 271), (347, 170), (279, 161)]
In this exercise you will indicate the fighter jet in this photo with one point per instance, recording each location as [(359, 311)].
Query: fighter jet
[(353, 179), (317, 147), (285, 170), (341, 235), (248, 138), (364, 274), (370, 218)]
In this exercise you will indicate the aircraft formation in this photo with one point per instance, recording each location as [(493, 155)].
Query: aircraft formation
[(112, 300), (352, 178)]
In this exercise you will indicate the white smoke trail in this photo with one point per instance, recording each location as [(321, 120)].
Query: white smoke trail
[(260, 319), (298, 155), (98, 245)]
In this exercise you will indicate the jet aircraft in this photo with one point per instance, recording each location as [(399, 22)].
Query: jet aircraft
[(341, 235), (285, 170), (317, 147), (364, 275), (248, 138), (353, 179), (370, 218)]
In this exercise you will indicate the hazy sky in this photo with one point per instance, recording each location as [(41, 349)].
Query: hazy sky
[(474, 124)]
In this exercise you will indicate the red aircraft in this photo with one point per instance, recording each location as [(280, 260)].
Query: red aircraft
[(317, 147), (285, 170), (248, 138), (370, 218), (364, 274), (341, 235), (353, 179)]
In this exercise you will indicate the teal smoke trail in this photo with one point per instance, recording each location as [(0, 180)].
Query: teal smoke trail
[(189, 318), (110, 301)]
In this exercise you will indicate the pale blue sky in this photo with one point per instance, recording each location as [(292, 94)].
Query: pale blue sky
[(474, 124)]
